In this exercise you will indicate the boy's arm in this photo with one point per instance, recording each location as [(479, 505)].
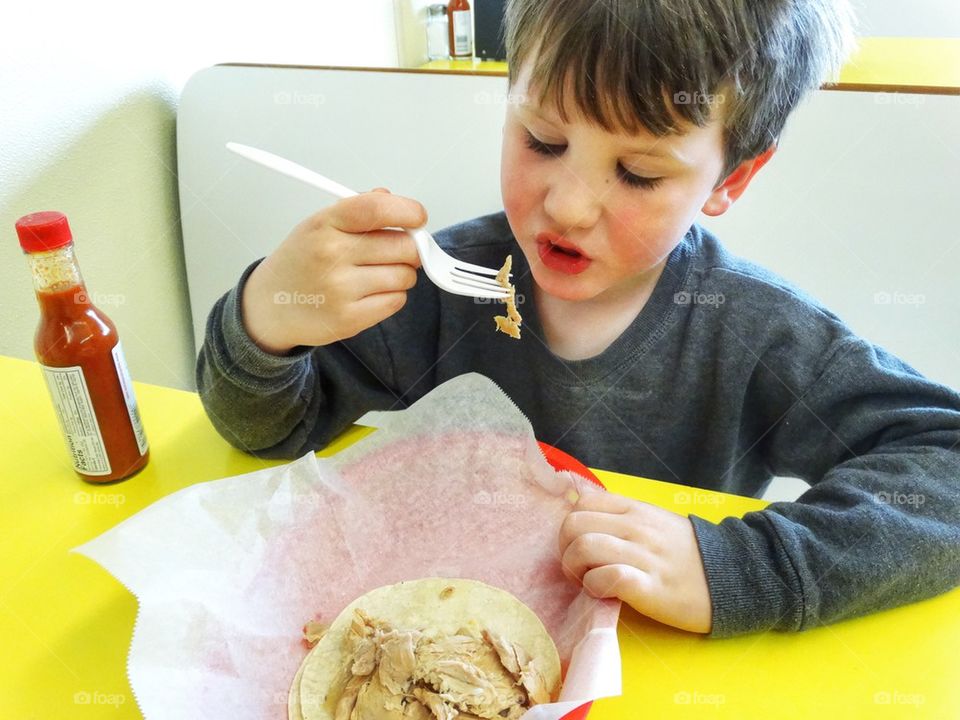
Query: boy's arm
[(284, 406), (881, 525)]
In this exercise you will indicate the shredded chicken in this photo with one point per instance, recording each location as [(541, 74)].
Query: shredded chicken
[(348, 698), (435, 703), (509, 324), (399, 660), (418, 675), (519, 664)]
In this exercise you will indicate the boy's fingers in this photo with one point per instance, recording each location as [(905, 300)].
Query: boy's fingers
[(611, 581), (375, 211), (595, 550), (372, 309), (604, 502), (582, 522), (386, 247), (378, 279)]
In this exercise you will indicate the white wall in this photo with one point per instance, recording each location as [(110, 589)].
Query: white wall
[(919, 18), (88, 97)]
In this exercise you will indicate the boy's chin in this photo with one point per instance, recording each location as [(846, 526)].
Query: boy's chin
[(570, 288)]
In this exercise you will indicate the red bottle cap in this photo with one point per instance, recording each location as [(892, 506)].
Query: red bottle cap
[(43, 231)]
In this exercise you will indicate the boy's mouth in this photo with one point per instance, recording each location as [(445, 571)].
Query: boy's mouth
[(561, 255)]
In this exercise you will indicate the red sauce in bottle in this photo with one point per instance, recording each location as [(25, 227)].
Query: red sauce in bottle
[(460, 29), (78, 347)]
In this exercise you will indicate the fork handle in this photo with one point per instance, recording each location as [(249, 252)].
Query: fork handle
[(291, 169), (298, 172)]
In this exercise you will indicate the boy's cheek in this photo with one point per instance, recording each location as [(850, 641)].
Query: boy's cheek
[(657, 216), (631, 226), (516, 177), (643, 237), (518, 194), (513, 201)]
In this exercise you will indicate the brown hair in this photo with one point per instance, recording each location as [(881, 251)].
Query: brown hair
[(642, 64)]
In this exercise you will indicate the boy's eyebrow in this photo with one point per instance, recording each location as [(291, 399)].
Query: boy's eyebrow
[(632, 150)]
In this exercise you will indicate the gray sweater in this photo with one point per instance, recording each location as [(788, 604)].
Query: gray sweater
[(728, 377)]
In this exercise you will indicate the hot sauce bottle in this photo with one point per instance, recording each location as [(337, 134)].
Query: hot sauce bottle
[(79, 350), (461, 30)]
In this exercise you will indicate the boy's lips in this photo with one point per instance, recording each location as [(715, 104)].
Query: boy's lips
[(561, 255)]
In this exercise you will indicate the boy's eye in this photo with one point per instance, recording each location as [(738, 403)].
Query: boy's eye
[(541, 147), (640, 181), (627, 177)]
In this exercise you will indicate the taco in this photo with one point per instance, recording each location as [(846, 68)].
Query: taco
[(429, 649)]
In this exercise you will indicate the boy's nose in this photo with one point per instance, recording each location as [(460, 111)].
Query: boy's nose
[(571, 201)]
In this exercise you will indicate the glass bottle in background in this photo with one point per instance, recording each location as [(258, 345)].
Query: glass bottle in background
[(438, 43), (461, 30), (79, 350)]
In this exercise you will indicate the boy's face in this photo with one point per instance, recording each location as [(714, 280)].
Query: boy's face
[(581, 189)]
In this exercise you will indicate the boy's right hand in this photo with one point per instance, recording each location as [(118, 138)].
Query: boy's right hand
[(336, 274)]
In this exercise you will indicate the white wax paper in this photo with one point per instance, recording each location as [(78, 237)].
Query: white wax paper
[(227, 572)]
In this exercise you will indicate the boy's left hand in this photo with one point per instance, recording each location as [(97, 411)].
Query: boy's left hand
[(644, 555)]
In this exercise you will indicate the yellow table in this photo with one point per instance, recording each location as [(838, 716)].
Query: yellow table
[(66, 623)]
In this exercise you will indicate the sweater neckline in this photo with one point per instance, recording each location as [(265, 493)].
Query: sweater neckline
[(633, 342)]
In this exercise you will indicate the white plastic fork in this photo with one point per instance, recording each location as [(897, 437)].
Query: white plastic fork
[(445, 271)]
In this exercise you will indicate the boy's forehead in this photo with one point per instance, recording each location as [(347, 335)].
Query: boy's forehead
[(526, 96)]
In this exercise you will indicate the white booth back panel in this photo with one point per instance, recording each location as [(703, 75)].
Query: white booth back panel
[(857, 207)]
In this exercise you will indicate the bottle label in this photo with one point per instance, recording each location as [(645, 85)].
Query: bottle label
[(131, 400), (71, 402), (461, 32)]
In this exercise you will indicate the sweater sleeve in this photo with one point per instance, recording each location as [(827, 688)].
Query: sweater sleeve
[(284, 406), (880, 526)]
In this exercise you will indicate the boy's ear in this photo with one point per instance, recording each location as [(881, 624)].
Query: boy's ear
[(724, 195)]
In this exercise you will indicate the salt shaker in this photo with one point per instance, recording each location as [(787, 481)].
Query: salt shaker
[(438, 46)]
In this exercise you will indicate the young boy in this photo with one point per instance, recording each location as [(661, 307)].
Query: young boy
[(626, 120)]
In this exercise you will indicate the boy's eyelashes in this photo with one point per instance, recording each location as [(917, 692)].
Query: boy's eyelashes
[(625, 176)]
